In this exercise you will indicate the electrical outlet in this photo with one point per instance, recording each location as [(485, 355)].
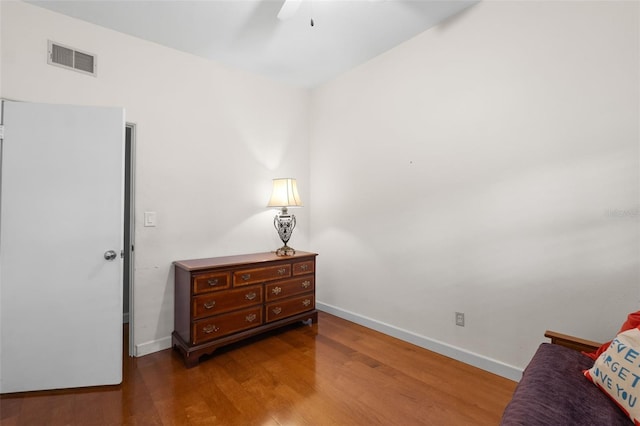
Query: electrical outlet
[(460, 319)]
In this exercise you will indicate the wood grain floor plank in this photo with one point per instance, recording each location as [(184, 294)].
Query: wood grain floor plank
[(332, 373), (446, 375)]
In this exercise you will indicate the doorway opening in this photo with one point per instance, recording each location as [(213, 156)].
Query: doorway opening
[(129, 228)]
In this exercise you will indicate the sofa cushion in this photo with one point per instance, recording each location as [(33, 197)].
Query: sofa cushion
[(617, 372), (553, 391)]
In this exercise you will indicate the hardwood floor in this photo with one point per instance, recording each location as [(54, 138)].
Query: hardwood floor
[(332, 373)]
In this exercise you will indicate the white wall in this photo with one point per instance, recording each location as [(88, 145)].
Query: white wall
[(209, 141), (488, 166)]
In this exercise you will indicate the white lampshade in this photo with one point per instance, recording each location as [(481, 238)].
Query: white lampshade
[(285, 193)]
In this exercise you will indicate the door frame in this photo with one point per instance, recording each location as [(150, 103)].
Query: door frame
[(129, 231)]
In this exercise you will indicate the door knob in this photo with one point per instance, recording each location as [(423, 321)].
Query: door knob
[(110, 255)]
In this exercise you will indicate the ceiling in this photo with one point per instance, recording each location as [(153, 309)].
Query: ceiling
[(248, 35)]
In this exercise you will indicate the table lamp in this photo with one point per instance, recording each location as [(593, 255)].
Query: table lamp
[(285, 195)]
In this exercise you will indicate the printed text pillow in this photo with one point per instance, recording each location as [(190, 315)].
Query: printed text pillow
[(617, 372)]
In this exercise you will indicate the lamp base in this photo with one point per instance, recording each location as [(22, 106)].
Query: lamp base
[(285, 250)]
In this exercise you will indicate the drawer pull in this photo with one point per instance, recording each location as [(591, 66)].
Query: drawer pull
[(276, 290), (277, 310), (213, 282), (250, 296), (251, 317), (306, 302), (304, 267), (210, 304), (245, 277), (282, 271), (210, 329), (306, 284)]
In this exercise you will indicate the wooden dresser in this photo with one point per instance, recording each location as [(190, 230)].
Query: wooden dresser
[(222, 300)]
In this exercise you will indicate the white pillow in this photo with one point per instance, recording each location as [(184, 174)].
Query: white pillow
[(617, 372)]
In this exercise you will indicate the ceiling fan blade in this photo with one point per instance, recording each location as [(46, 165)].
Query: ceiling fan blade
[(289, 8)]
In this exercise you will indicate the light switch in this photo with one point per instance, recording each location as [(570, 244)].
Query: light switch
[(149, 218)]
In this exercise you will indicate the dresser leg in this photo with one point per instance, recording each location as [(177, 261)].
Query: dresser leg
[(313, 318), (191, 361)]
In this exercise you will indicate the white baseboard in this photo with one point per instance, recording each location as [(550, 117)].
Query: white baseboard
[(153, 346), (505, 370)]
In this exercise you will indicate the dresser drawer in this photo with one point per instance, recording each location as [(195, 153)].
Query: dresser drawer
[(220, 302), (203, 283), (260, 275), (222, 325), (301, 268), (288, 307), (288, 288)]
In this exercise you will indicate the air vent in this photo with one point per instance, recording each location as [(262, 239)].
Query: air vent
[(70, 58)]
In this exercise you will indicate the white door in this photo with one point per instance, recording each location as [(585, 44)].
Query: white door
[(61, 210)]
